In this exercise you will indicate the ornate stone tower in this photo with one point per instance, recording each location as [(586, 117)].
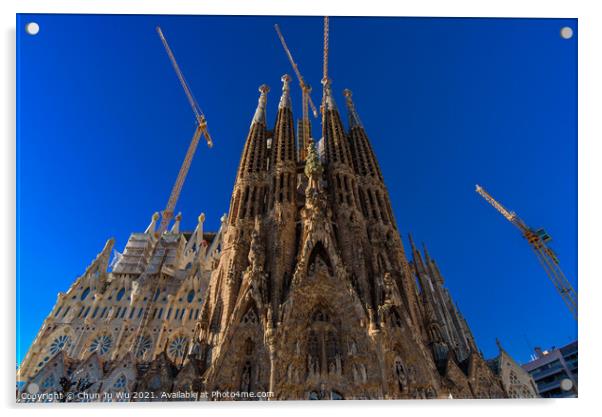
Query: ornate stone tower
[(313, 297), (305, 292)]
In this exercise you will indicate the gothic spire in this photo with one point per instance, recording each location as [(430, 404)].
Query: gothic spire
[(426, 254), (354, 118), (285, 99), (411, 242), (416, 255), (260, 112)]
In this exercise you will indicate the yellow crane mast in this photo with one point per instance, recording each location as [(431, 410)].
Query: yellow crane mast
[(167, 214), (305, 95), (547, 258), (201, 129)]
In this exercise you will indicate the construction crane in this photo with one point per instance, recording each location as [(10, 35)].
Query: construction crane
[(325, 80), (547, 258), (201, 129), (326, 51), (305, 94)]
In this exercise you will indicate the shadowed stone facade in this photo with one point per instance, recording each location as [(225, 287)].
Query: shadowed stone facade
[(307, 292)]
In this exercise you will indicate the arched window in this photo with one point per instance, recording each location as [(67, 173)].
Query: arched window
[(250, 317), (245, 378), (120, 382), (249, 347), (400, 374), (314, 352), (319, 315), (319, 256), (217, 317), (336, 396), (332, 352), (190, 296), (48, 382), (120, 294), (85, 293)]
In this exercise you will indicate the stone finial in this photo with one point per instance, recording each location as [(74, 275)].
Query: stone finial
[(327, 101), (199, 229), (261, 105), (153, 224), (176, 226), (354, 119), (285, 100)]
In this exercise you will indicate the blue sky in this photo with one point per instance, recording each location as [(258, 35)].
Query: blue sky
[(103, 126)]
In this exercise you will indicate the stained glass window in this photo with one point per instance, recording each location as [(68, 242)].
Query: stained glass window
[(59, 344), (177, 346), (101, 344)]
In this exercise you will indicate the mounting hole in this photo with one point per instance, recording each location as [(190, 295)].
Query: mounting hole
[(566, 384), (32, 28), (566, 32)]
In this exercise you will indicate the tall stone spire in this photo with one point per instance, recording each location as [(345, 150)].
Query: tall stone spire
[(249, 191), (363, 155), (282, 198), (354, 118), (426, 254), (283, 142)]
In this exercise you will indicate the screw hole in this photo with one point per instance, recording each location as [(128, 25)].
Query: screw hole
[(566, 32), (32, 28)]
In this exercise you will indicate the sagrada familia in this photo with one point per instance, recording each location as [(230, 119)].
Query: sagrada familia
[(305, 292)]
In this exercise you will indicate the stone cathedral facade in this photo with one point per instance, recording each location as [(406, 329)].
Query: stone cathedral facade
[(306, 291)]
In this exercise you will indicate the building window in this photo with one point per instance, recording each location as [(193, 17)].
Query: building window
[(101, 344), (120, 294), (143, 345), (121, 382), (59, 344), (85, 293), (48, 382), (177, 346)]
